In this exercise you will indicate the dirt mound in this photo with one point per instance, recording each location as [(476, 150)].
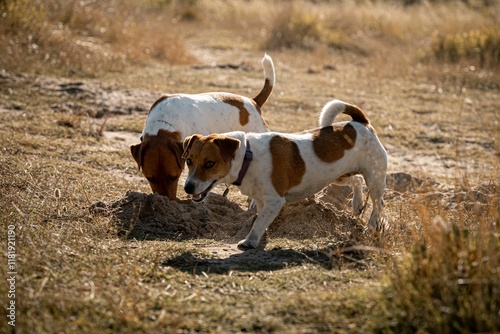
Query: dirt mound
[(150, 216), (403, 182), (403, 186), (313, 218), (326, 214)]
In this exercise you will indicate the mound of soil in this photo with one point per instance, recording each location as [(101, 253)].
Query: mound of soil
[(314, 217), (326, 214), (403, 186), (150, 216)]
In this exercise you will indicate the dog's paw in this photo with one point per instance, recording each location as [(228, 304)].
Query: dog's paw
[(357, 209), (252, 205), (379, 228), (246, 245)]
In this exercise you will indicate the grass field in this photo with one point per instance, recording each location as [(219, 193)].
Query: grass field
[(76, 81)]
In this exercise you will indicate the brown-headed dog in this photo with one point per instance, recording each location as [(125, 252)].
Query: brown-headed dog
[(173, 117)]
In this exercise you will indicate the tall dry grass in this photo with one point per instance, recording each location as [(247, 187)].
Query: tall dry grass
[(87, 37), (481, 46), (448, 278), (428, 31), (296, 28)]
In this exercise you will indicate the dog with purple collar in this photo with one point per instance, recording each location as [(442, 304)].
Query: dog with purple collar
[(289, 167)]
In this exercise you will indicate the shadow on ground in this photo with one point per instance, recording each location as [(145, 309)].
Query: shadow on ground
[(249, 261)]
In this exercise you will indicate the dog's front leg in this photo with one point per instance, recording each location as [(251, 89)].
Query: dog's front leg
[(270, 210)]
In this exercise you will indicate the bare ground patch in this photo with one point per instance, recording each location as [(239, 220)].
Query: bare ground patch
[(80, 97)]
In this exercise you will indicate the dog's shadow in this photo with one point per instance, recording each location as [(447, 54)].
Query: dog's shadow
[(248, 261)]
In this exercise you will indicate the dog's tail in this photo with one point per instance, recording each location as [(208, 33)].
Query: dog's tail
[(267, 64), (335, 107)]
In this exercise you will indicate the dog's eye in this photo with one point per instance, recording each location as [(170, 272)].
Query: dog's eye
[(189, 162), (208, 164)]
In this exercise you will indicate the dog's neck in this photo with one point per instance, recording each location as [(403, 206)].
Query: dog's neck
[(239, 157), (246, 163)]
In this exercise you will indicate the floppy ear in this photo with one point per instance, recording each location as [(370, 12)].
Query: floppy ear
[(188, 142), (177, 149), (227, 147), (138, 153)]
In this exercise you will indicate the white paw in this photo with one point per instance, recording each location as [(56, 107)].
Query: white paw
[(246, 244)]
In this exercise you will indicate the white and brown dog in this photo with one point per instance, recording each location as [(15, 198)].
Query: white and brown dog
[(289, 167), (173, 117)]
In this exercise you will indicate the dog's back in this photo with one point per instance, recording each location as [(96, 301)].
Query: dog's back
[(213, 112), (302, 164)]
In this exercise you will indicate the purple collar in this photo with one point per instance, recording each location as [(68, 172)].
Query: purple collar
[(246, 164)]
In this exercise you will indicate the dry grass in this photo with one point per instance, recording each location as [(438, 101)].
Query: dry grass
[(479, 46), (86, 38), (447, 281), (438, 268), (360, 29)]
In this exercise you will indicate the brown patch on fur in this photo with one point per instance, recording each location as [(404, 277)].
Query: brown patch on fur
[(329, 143), (216, 149), (356, 113), (163, 97), (159, 157), (371, 128), (263, 95), (235, 101), (288, 165)]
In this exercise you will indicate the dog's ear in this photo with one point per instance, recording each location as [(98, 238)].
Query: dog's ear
[(188, 142), (138, 152), (177, 149), (227, 147)]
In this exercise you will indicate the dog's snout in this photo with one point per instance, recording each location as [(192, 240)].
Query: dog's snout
[(189, 187)]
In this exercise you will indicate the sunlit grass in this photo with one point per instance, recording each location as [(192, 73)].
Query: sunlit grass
[(87, 38), (447, 281), (481, 46)]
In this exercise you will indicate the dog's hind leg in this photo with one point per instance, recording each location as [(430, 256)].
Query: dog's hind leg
[(268, 211), (376, 188), (356, 184)]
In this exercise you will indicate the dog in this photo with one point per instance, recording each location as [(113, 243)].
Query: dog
[(274, 168), (173, 117)]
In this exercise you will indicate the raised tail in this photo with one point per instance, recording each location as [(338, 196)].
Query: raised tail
[(261, 98), (335, 107)]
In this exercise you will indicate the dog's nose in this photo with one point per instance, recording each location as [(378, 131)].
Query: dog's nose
[(189, 187)]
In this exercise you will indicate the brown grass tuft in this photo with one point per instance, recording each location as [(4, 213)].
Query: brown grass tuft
[(296, 28), (87, 38), (481, 46), (447, 282)]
